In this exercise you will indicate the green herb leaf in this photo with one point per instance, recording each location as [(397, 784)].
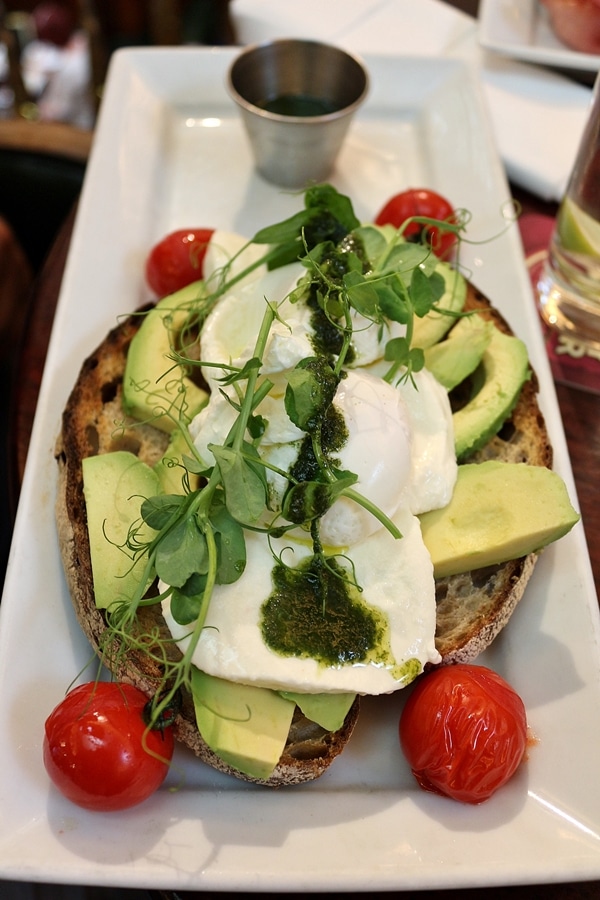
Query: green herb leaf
[(425, 290), (181, 552), (402, 355), (394, 300), (244, 485), (416, 359), (363, 294), (310, 390), (397, 350), (231, 546), (328, 215), (186, 601), (194, 466), (288, 230), (311, 499), (158, 511), (327, 199), (256, 426), (243, 373), (374, 239), (285, 254)]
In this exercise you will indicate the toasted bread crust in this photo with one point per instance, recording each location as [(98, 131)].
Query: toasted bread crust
[(472, 608)]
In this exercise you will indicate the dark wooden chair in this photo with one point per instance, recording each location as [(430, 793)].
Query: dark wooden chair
[(42, 166), (16, 278)]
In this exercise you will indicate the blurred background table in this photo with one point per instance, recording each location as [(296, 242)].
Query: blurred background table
[(580, 412)]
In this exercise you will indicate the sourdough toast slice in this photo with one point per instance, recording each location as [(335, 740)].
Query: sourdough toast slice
[(472, 608)]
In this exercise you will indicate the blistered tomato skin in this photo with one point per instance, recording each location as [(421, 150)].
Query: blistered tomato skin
[(96, 747), (177, 260), (421, 202), (463, 731)]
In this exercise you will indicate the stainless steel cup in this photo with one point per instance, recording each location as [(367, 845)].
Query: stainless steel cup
[(296, 99), (569, 286)]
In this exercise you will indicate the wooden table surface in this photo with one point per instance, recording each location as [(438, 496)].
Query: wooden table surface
[(581, 418)]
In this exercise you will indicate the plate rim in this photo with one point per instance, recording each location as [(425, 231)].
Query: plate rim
[(134, 877)]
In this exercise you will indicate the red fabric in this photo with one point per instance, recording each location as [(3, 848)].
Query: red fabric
[(572, 361)]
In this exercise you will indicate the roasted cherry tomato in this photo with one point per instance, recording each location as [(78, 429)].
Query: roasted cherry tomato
[(463, 731), (177, 260), (98, 749), (421, 202)]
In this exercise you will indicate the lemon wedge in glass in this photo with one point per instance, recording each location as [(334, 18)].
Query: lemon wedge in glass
[(578, 231)]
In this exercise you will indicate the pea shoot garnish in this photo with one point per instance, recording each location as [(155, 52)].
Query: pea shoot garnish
[(352, 273)]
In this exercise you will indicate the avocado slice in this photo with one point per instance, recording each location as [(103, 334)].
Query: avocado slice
[(503, 371), (431, 328), (453, 360), (153, 383), (246, 726), (114, 485), (327, 710), (499, 511)]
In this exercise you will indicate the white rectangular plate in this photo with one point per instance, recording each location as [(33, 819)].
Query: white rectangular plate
[(521, 29), (170, 152)]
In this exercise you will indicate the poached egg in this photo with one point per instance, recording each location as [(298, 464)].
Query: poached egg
[(399, 445)]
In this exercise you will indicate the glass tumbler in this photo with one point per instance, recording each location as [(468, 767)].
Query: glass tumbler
[(569, 285)]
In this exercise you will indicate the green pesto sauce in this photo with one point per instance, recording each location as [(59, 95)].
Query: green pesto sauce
[(327, 337), (407, 671), (334, 434), (315, 612)]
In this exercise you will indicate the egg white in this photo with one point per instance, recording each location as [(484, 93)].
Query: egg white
[(377, 450)]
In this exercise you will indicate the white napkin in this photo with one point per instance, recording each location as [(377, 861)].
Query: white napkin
[(538, 121), (537, 115), (423, 27)]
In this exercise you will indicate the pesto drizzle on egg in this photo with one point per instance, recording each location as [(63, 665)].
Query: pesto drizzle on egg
[(328, 306), (314, 612)]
